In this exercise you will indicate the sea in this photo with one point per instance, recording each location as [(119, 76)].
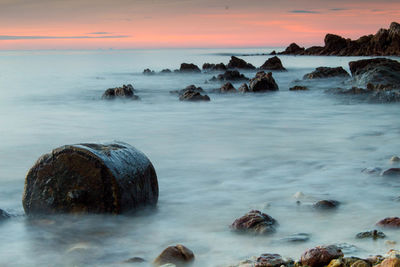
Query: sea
[(277, 152)]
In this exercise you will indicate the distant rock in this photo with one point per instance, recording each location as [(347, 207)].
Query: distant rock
[(214, 67), (191, 95), (178, 255), (230, 75), (326, 72), (376, 73), (4, 215), (389, 222), (126, 91), (148, 72), (188, 88), (374, 234), (320, 256), (326, 204), (227, 88), (255, 222), (244, 88), (273, 53), (166, 71), (273, 63), (298, 88), (134, 260), (189, 67), (237, 63), (263, 82), (386, 42), (293, 49)]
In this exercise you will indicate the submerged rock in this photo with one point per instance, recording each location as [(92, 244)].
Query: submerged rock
[(126, 91), (390, 222), (391, 172), (238, 63), (326, 204), (90, 178), (4, 215), (273, 63), (374, 234), (298, 88), (135, 260), (189, 67), (178, 255), (321, 255), (191, 95), (270, 260), (326, 72), (148, 72), (230, 75), (227, 88), (255, 222), (244, 88), (372, 170), (300, 237), (166, 71), (188, 88), (263, 82)]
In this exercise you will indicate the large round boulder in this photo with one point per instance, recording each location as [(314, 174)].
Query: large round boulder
[(90, 178), (320, 255), (255, 222)]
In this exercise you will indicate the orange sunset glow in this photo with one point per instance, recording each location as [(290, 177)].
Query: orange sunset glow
[(124, 24)]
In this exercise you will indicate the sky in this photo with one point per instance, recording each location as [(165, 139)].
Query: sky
[(126, 24)]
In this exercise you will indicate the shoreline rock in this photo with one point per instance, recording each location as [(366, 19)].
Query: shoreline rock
[(320, 255), (90, 178), (178, 255)]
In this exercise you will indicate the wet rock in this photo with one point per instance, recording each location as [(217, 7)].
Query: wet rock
[(391, 172), (134, 260), (326, 72), (4, 215), (263, 82), (192, 88), (238, 63), (321, 255), (90, 178), (189, 67), (227, 88), (300, 237), (230, 75), (244, 88), (270, 260), (298, 88), (377, 73), (214, 67), (361, 263), (374, 234), (273, 63), (126, 91), (395, 159), (178, 255), (191, 95), (326, 204), (166, 71), (372, 170), (148, 72), (255, 222), (390, 222), (293, 49), (390, 262)]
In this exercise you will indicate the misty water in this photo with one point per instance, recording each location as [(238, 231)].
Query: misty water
[(215, 161)]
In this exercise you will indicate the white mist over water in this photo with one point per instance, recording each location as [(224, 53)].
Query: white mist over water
[(215, 161)]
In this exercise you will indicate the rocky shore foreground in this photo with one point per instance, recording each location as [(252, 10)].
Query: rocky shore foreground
[(386, 42)]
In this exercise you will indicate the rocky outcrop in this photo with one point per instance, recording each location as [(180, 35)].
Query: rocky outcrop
[(263, 82), (238, 63), (4, 215), (298, 88), (178, 255), (273, 63), (148, 72), (230, 75), (390, 222), (244, 88), (90, 178), (320, 256), (227, 88), (192, 95), (255, 222), (326, 72), (386, 42), (376, 73), (214, 67), (126, 91), (293, 49), (189, 67)]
